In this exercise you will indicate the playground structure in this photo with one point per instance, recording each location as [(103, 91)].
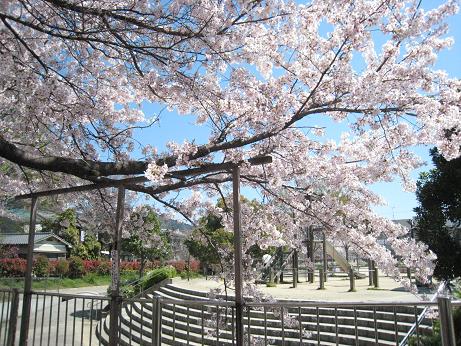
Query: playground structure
[(322, 257)]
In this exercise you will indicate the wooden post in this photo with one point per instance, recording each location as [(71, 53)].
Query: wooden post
[(322, 279), (324, 256), (27, 298), (310, 251), (281, 265), (237, 257), (447, 329), (115, 303), (370, 273), (295, 268), (375, 275), (351, 280)]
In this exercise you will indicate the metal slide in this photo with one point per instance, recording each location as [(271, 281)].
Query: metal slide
[(340, 259)]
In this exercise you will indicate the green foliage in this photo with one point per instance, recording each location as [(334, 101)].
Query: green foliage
[(65, 226), (93, 247), (79, 250), (187, 274), (439, 214), (157, 275), (76, 267), (160, 250), (41, 266), (204, 241), (62, 267)]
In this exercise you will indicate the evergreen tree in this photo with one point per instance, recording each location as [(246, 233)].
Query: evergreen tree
[(439, 214)]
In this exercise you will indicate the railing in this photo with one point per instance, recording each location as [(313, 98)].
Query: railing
[(65, 319), (410, 333)]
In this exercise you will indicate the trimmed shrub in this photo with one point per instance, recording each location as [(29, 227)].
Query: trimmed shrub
[(155, 276), (76, 267), (41, 266), (61, 268)]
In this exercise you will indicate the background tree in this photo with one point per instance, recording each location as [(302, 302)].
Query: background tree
[(204, 243), (144, 237), (66, 226), (439, 214)]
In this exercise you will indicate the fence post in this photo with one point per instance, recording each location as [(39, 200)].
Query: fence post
[(157, 322), (351, 280), (322, 279), (324, 257), (375, 275), (447, 329), (13, 318), (115, 303), (370, 273), (27, 296)]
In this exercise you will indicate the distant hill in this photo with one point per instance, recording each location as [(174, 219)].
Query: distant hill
[(22, 213), (173, 224)]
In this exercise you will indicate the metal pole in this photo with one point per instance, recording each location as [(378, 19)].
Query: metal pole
[(237, 257), (324, 242), (13, 318), (447, 329), (27, 298), (115, 303)]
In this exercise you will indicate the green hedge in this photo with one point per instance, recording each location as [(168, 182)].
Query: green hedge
[(157, 275)]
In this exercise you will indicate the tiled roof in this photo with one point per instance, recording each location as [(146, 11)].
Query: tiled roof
[(23, 238)]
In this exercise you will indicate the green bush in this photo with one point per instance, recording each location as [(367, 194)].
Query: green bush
[(76, 267), (41, 266), (61, 268), (155, 276), (104, 268), (128, 291), (91, 278)]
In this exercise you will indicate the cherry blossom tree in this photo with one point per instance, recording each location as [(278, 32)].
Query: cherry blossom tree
[(259, 75)]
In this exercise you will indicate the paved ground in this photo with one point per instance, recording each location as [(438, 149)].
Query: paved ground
[(336, 290), (56, 321)]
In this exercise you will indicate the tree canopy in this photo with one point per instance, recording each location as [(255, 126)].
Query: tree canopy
[(439, 214), (144, 237), (260, 76)]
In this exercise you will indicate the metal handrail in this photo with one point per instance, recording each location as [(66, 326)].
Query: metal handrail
[(421, 316)]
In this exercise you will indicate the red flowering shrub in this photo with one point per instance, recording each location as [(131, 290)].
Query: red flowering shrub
[(180, 265), (12, 266), (91, 266), (129, 265), (194, 266), (104, 268)]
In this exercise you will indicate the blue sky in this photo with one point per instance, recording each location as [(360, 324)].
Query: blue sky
[(400, 204)]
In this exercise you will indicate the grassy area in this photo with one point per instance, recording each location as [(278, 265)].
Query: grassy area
[(57, 283)]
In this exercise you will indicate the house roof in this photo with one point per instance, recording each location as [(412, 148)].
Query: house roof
[(23, 238)]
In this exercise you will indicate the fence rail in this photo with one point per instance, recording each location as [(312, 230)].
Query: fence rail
[(72, 319)]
